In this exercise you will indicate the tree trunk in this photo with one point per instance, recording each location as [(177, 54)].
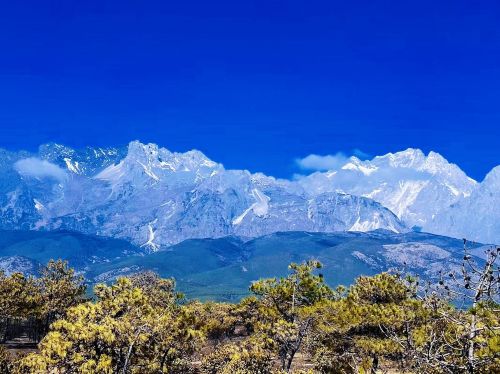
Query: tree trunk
[(470, 353), (374, 364), (129, 353), (163, 360), (289, 362)]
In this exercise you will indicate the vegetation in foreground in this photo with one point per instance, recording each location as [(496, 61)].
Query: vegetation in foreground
[(292, 324)]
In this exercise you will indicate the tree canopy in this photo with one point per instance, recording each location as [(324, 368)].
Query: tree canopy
[(295, 323)]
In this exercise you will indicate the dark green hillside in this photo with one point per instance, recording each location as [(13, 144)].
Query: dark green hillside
[(78, 249), (189, 257), (222, 268)]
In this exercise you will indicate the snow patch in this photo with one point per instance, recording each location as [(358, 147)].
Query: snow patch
[(148, 170), (151, 237), (38, 205), (259, 208), (112, 173), (75, 168)]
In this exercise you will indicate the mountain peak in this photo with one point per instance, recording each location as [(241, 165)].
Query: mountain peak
[(149, 163), (153, 152), (135, 147), (87, 161), (409, 158), (412, 152), (493, 177), (51, 151), (355, 164), (436, 158), (148, 194)]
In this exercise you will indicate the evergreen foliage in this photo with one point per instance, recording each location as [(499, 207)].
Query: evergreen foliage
[(295, 323)]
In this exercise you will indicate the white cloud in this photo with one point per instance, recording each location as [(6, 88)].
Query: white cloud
[(36, 168), (322, 163), (329, 162)]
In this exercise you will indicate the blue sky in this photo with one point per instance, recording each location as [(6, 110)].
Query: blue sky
[(255, 84)]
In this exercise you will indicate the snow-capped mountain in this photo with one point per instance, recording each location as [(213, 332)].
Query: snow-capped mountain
[(84, 162), (154, 197), (416, 187), (477, 216)]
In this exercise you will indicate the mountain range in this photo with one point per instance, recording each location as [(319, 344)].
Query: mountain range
[(155, 198)]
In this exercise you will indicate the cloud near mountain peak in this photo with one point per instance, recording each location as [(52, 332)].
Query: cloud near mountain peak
[(328, 162), (37, 168)]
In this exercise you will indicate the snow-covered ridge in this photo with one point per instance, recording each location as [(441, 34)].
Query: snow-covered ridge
[(155, 197), (425, 191)]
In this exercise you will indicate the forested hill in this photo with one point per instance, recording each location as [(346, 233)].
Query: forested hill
[(222, 269)]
